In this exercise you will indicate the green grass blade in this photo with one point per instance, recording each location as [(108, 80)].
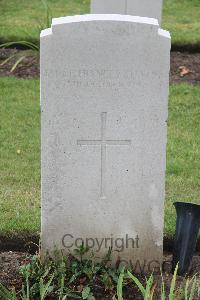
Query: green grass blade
[(186, 289), (148, 288), (4, 293), (173, 283), (44, 287), (193, 289), (120, 285), (20, 43), (86, 293), (48, 13), (27, 287), (137, 282), (62, 285), (14, 295)]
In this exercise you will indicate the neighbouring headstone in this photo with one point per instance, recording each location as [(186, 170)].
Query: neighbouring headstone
[(104, 92), (143, 8)]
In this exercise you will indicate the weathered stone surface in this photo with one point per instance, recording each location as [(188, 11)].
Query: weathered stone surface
[(108, 7), (104, 91), (142, 8)]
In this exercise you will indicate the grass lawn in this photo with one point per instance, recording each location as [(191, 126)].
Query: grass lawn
[(183, 155), (182, 19), (20, 153), (19, 19)]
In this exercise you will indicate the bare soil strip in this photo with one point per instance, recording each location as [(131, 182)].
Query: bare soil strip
[(185, 66)]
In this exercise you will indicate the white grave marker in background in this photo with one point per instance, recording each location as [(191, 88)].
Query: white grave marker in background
[(143, 8), (104, 92)]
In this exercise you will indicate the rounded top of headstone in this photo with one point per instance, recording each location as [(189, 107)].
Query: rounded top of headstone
[(106, 18)]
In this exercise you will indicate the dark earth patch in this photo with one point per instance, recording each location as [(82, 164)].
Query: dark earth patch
[(28, 68), (22, 242), (188, 62), (9, 265), (10, 277), (185, 66), (26, 242)]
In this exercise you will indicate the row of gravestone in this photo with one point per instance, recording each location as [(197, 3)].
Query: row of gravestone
[(142, 8), (104, 107)]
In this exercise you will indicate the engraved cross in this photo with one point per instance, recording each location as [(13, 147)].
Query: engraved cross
[(103, 142)]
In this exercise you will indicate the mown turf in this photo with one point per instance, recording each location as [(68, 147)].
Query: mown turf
[(20, 153), (183, 156), (19, 19), (182, 19)]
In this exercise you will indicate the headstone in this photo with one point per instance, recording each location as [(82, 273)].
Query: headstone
[(104, 95), (108, 7), (143, 8)]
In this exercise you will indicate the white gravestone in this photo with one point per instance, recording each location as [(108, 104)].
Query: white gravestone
[(143, 8), (104, 95)]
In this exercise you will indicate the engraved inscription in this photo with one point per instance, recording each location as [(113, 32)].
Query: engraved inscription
[(102, 78), (103, 142)]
